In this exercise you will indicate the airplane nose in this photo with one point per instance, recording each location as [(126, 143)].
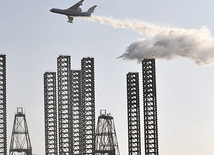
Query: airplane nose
[(51, 10)]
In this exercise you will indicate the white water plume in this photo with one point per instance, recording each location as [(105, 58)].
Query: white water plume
[(164, 42), (196, 45), (141, 27)]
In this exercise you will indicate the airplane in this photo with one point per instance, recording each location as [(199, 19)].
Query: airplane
[(74, 11)]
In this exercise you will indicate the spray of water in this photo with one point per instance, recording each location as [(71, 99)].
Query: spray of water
[(141, 27), (164, 42)]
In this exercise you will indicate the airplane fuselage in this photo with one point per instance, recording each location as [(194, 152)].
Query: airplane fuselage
[(70, 13)]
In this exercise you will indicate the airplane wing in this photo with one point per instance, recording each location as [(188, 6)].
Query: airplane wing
[(76, 7), (70, 19)]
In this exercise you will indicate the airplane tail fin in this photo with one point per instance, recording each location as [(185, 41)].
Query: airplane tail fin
[(91, 10)]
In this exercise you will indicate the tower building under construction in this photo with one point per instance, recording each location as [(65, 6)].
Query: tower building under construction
[(50, 113), (88, 106), (3, 106), (64, 113), (76, 108), (150, 107), (76, 111), (133, 109)]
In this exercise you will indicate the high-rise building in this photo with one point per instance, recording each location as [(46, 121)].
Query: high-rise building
[(50, 113), (76, 108), (133, 110), (64, 113), (3, 106), (150, 107), (76, 111), (88, 106)]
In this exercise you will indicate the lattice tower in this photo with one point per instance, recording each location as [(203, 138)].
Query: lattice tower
[(50, 112), (64, 113), (20, 139), (133, 108), (106, 138), (88, 105), (3, 106), (76, 111), (150, 107)]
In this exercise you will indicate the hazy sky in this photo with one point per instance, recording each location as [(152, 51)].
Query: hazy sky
[(32, 38)]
